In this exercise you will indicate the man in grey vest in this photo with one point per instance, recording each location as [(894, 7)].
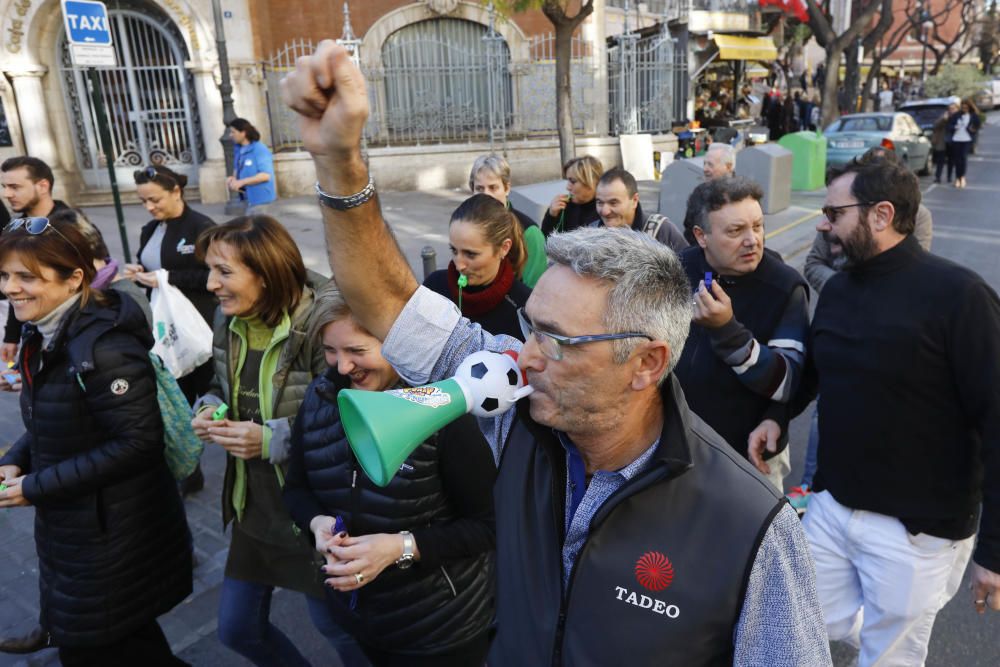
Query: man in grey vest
[(613, 543)]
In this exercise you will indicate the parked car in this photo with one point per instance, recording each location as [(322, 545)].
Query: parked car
[(852, 135), (926, 112)]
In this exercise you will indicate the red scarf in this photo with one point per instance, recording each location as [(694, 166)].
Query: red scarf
[(485, 297)]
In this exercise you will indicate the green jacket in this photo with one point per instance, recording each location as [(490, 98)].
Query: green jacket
[(290, 362)]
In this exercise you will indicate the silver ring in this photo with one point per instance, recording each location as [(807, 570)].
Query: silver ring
[(359, 577)]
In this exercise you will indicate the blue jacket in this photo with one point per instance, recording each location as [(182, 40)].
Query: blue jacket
[(250, 160)]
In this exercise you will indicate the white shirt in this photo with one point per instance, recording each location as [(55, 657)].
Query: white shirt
[(962, 129)]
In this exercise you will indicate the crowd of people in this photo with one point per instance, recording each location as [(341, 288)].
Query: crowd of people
[(667, 361)]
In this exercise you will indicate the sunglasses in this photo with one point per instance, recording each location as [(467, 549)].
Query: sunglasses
[(37, 226), (833, 212), (149, 174)]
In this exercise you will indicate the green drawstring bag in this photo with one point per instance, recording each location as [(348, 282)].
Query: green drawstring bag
[(182, 447)]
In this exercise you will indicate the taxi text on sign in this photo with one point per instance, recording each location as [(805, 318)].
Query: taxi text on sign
[(88, 33)]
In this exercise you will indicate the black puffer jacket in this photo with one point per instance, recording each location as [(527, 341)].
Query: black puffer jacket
[(444, 496), (114, 549)]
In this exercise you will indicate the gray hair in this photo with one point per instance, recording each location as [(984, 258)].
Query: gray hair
[(492, 163), (725, 151), (714, 194), (328, 306), (649, 292)]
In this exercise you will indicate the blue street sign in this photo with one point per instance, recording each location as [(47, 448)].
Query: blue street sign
[(87, 22)]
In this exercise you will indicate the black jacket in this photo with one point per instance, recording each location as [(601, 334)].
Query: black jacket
[(443, 496), (177, 256), (12, 329), (577, 215), (114, 550), (668, 522), (907, 356)]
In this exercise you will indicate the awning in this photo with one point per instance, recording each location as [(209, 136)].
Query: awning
[(732, 47)]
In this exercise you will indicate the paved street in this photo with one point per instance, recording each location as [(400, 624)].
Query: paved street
[(965, 230)]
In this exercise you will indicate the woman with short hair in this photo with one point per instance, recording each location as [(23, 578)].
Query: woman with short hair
[(490, 175), (577, 208), (114, 550)]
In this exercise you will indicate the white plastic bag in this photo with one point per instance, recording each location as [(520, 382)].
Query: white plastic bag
[(183, 340)]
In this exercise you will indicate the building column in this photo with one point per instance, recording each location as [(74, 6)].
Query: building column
[(212, 172), (593, 30), (31, 112)]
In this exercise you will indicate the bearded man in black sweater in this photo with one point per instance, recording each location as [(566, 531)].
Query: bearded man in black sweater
[(905, 347)]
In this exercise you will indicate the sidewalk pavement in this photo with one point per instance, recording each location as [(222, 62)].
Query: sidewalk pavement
[(419, 219)]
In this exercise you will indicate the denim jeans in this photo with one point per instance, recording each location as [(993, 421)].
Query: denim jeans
[(245, 627), (343, 643)]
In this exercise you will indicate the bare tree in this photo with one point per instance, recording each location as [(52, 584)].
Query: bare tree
[(880, 43), (940, 43), (836, 45), (564, 25)]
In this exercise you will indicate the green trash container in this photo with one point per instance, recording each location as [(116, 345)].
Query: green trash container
[(808, 159)]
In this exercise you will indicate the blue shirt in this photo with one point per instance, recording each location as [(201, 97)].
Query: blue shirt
[(250, 160), (583, 500), (781, 621)]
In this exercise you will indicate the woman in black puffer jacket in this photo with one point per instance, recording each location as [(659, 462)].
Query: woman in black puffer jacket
[(113, 545), (411, 570)]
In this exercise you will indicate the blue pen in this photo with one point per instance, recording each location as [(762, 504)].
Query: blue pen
[(338, 528)]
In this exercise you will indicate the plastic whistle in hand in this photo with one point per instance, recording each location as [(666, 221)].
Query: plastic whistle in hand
[(562, 213), (220, 413)]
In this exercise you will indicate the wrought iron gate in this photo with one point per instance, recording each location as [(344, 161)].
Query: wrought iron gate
[(149, 100), (647, 83)]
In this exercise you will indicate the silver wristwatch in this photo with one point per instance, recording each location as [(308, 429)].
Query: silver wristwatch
[(406, 560)]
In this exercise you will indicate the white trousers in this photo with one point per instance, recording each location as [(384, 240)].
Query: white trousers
[(879, 586)]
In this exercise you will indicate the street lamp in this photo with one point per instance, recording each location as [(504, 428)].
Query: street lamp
[(233, 204), (926, 24)]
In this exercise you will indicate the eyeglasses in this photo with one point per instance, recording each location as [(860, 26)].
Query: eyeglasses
[(833, 212), (147, 174), (552, 344), (36, 226)]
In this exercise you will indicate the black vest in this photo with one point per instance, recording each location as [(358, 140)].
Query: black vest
[(419, 609), (661, 578), (714, 392)]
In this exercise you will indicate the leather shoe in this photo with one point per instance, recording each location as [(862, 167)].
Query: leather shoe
[(35, 640)]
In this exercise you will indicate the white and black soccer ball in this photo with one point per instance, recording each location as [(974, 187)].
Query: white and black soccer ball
[(491, 381)]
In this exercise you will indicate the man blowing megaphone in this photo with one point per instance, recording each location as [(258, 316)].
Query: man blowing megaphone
[(614, 542)]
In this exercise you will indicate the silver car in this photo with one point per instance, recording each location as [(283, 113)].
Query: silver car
[(850, 136)]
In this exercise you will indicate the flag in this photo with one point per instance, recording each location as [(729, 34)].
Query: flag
[(796, 8)]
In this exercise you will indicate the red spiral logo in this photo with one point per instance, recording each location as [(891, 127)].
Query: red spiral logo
[(653, 571)]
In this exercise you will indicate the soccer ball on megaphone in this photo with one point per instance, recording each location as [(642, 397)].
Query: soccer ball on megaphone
[(492, 382)]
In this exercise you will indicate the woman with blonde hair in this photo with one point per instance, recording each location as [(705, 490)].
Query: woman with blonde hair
[(488, 256), (577, 207)]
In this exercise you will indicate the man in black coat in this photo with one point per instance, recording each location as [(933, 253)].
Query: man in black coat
[(905, 347), (746, 349)]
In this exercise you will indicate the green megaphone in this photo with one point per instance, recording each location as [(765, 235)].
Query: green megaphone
[(384, 427)]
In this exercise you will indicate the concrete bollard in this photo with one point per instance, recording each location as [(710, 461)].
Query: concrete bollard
[(429, 257)]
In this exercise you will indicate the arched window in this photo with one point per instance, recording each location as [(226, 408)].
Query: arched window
[(445, 82)]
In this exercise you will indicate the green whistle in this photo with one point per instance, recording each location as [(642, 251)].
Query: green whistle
[(220, 412)]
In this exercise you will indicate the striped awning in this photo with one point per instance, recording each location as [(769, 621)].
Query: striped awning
[(732, 47)]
